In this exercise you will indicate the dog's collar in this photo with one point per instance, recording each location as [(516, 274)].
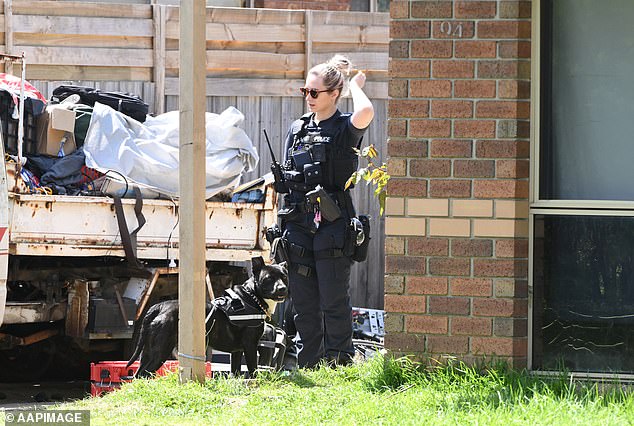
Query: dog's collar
[(245, 291)]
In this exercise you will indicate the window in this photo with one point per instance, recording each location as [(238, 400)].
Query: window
[(582, 207), (370, 5)]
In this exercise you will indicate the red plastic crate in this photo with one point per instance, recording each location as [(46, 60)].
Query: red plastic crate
[(106, 376)]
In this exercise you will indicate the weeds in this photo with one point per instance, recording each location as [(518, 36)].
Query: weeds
[(386, 391)]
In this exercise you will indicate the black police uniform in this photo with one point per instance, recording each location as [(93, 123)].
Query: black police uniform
[(319, 259)]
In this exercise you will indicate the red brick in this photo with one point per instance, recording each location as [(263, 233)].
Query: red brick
[(476, 49), (408, 108), (513, 129), (475, 9), (471, 326), (474, 88), (453, 29), (420, 246), (426, 285), (429, 324), (448, 344), (397, 88), (474, 128), (404, 303), (502, 149), (449, 266), (439, 188), (396, 127), (430, 168), (511, 248), (432, 49), (408, 68), (405, 265), (500, 268), (471, 248), (431, 9), (503, 109), (471, 287), (398, 48), (512, 168), (404, 342), (504, 69), (449, 305), (430, 88), (492, 307), (498, 189), (453, 69), (473, 168), (398, 187), (500, 346), (515, 9), (514, 89), (406, 148), (504, 29), (450, 148), (515, 49), (409, 29), (510, 327), (399, 9), (451, 109), (430, 128)]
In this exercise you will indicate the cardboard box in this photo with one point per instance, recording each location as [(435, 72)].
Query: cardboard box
[(53, 125)]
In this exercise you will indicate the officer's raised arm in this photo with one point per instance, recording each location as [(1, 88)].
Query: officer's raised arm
[(363, 111)]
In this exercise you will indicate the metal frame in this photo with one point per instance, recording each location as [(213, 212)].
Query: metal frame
[(555, 207)]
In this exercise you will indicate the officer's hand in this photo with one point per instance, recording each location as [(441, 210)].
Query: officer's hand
[(358, 79)]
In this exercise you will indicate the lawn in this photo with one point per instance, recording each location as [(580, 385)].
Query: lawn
[(378, 392)]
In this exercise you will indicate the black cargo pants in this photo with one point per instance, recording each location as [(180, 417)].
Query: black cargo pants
[(319, 278)]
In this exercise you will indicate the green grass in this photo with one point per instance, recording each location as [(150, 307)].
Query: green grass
[(379, 392)]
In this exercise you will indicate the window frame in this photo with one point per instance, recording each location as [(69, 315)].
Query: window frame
[(538, 206)]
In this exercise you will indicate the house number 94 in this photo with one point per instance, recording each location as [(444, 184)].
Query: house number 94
[(450, 29)]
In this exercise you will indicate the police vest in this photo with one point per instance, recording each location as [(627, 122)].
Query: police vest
[(335, 160)]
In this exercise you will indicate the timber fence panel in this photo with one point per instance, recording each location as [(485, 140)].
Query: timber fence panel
[(256, 61)]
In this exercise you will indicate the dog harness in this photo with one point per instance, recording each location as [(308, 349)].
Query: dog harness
[(241, 307)]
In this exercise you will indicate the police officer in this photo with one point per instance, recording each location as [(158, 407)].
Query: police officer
[(319, 154)]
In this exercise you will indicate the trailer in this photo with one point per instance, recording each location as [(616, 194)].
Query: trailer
[(69, 286)]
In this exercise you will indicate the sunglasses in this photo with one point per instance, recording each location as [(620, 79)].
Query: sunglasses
[(314, 93)]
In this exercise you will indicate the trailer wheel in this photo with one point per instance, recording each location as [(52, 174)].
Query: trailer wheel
[(26, 363)]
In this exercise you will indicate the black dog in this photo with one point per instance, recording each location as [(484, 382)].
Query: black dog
[(234, 321)]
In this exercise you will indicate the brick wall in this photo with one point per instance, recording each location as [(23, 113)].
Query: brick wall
[(307, 4), (457, 212)]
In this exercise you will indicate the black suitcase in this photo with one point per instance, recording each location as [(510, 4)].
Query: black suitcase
[(127, 103)]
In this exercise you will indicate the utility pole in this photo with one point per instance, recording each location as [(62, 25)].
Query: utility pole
[(191, 253)]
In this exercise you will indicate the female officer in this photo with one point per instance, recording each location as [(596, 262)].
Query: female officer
[(319, 151)]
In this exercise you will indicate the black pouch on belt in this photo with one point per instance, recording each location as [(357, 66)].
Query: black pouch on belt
[(361, 250)]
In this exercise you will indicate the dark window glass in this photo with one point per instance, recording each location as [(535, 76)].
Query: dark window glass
[(583, 293), (587, 100)]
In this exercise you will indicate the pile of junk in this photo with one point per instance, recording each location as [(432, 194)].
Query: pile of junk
[(85, 141)]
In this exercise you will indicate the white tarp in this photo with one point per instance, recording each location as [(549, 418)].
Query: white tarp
[(147, 153)]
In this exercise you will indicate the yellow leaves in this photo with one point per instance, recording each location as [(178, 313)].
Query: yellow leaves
[(372, 174)]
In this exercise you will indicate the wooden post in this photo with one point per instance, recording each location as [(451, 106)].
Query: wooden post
[(158, 16), (308, 41), (191, 279), (8, 34)]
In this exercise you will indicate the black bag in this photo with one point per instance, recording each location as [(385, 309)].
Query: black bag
[(127, 103), (361, 251)]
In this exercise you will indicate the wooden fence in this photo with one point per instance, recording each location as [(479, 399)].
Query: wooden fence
[(256, 61)]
